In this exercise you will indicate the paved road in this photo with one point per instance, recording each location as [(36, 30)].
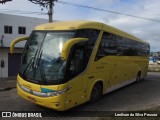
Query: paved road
[(137, 96)]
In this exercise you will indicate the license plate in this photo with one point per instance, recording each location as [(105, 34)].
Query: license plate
[(31, 99)]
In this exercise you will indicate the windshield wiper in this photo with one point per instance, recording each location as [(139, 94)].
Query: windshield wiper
[(41, 67), (30, 63)]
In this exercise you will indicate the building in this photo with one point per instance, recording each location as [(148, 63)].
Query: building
[(156, 54), (154, 58), (11, 27)]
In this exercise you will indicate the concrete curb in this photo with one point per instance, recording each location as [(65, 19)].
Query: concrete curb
[(6, 89), (8, 78)]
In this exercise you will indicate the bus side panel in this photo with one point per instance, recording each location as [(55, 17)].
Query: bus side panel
[(142, 62), (121, 71), (99, 70), (75, 92)]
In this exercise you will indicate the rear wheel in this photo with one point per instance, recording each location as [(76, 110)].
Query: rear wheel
[(138, 78), (96, 93)]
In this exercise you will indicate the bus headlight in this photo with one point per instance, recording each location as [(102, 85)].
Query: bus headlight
[(59, 92)]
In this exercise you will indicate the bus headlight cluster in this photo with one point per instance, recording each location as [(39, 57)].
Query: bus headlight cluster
[(59, 92)]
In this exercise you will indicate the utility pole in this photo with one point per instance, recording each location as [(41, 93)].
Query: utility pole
[(50, 11), (46, 4)]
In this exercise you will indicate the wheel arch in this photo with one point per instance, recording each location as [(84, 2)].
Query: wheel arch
[(94, 83)]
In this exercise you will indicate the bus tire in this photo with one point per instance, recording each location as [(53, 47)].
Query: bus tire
[(138, 78), (96, 93)]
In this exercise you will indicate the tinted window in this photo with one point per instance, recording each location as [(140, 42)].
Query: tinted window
[(81, 52), (108, 46), (92, 35), (76, 61), (116, 45), (126, 47)]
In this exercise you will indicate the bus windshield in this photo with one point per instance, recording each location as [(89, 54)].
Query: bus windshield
[(41, 59)]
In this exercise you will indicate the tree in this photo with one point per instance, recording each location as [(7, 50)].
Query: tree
[(46, 4), (4, 1)]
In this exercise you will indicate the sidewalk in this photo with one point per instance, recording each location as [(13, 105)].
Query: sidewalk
[(7, 83)]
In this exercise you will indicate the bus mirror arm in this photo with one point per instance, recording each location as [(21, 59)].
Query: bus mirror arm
[(16, 41), (67, 46)]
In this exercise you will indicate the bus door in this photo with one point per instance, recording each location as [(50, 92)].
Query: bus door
[(75, 74)]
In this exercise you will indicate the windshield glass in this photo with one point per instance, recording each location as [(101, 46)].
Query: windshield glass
[(41, 59)]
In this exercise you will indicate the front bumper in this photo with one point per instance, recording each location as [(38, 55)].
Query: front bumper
[(55, 102)]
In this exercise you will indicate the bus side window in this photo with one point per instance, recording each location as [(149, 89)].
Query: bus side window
[(92, 35), (108, 46), (120, 46), (76, 64)]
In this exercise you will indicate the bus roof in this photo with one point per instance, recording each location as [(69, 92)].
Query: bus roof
[(70, 25), (74, 25)]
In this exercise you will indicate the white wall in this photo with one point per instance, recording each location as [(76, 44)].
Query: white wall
[(4, 56), (16, 21)]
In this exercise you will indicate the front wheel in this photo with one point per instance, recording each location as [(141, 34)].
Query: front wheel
[(96, 93)]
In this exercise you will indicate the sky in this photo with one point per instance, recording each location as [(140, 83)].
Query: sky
[(146, 30)]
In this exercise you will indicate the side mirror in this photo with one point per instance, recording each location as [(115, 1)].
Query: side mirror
[(16, 41), (67, 46)]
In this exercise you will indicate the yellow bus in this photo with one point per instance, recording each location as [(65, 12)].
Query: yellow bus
[(65, 64)]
